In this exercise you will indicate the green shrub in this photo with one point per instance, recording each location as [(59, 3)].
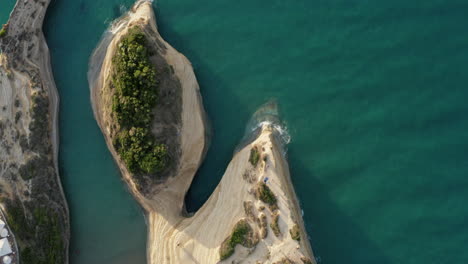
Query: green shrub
[(274, 225), (295, 233), (266, 195), (241, 234), (139, 152), (135, 97), (3, 31), (254, 156)]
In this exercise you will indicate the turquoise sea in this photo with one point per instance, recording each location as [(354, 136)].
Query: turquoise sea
[(374, 95)]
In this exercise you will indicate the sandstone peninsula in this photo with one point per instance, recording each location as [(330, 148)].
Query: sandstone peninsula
[(253, 215)]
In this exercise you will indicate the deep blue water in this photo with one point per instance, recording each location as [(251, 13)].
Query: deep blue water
[(373, 93)]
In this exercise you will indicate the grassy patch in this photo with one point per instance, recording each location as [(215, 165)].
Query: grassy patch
[(135, 97), (295, 233), (266, 195), (274, 225), (242, 234), (39, 235), (254, 156)]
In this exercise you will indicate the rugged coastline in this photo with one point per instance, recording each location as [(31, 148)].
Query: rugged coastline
[(32, 196), (254, 205)]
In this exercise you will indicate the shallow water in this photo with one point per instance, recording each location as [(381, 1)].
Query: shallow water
[(373, 94)]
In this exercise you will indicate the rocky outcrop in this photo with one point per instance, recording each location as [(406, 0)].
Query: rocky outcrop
[(31, 192)]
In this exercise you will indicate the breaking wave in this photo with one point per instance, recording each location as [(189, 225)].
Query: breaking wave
[(266, 116)]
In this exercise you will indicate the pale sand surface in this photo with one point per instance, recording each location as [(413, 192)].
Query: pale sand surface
[(173, 238)]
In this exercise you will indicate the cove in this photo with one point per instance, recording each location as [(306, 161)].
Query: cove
[(107, 224)]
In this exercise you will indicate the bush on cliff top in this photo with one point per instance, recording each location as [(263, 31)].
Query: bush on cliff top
[(242, 234), (135, 97), (295, 232), (254, 156)]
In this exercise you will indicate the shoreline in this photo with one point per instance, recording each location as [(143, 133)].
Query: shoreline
[(289, 188)]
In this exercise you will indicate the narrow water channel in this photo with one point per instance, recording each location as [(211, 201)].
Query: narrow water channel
[(107, 224)]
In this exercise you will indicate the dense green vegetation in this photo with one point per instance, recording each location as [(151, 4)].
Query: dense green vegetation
[(241, 234), (254, 156), (39, 236), (135, 97), (266, 195)]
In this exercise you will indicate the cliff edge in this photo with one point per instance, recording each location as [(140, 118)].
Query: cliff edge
[(30, 189)]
